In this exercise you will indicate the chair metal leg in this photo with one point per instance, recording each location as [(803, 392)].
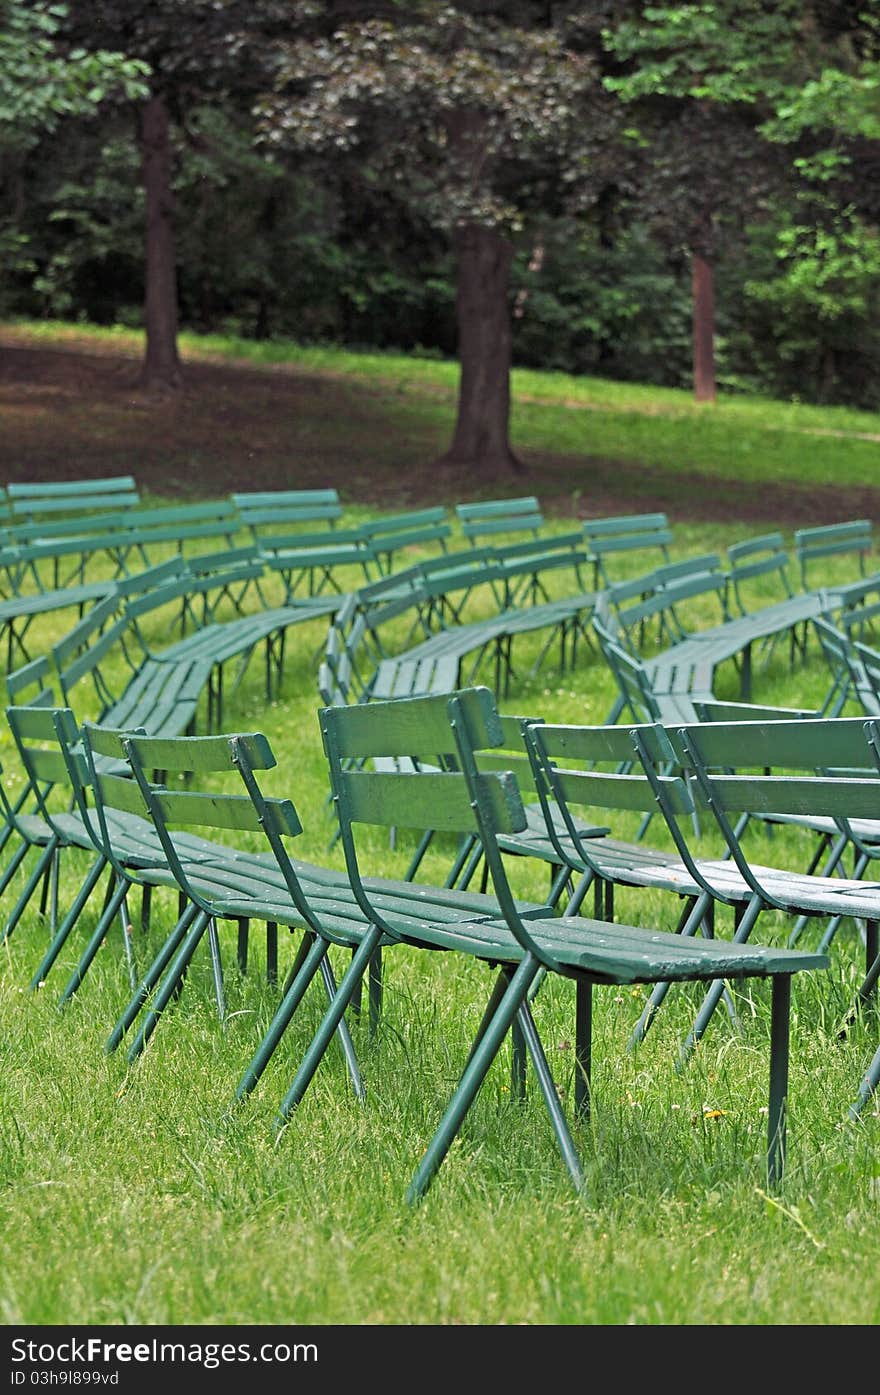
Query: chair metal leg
[(242, 945), (216, 968), (328, 1025), (869, 1083), (518, 1060), (583, 1035), (13, 865), (94, 944), (345, 1041), (866, 991), (170, 985), (91, 881), (126, 926), (374, 991), (151, 977), (272, 951), (472, 1078), (579, 893), (551, 1099), (780, 1014), (715, 990), (311, 954), (499, 988), (44, 862), (700, 907)]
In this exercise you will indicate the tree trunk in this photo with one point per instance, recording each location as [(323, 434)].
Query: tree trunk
[(161, 366), (703, 328), (481, 438)]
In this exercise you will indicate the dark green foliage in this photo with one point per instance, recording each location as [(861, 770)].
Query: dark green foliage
[(619, 310), (778, 137)]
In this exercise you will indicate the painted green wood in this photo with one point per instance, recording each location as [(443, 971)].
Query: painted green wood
[(799, 795), (75, 489), (490, 517), (259, 509), (814, 545), (226, 884), (88, 661), (201, 754), (427, 799), (43, 500), (418, 728), (40, 737), (233, 812), (393, 533), (604, 953), (120, 792), (758, 557), (619, 529), (32, 684), (146, 579), (60, 528), (800, 744)]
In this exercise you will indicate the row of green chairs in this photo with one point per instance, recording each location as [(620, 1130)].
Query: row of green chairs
[(448, 779)]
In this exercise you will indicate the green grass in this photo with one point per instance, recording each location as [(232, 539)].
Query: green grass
[(563, 425), (134, 1194)]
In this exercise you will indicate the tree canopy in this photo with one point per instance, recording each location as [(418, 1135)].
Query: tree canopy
[(537, 182), (43, 81)]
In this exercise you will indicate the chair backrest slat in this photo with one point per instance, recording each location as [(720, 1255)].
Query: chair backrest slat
[(832, 540), (489, 518), (201, 754)]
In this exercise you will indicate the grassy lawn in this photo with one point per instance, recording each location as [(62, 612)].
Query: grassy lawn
[(373, 424), (136, 1193)]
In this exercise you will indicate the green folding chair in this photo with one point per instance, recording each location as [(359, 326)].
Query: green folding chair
[(517, 942)]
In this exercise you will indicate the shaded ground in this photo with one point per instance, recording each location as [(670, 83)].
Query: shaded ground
[(71, 414)]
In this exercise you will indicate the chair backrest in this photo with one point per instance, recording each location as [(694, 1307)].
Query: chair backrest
[(489, 519), (310, 563), (33, 685), (110, 628), (428, 779), (522, 565), (610, 538), (866, 665), (142, 529), (802, 768), (816, 545), (392, 533), (20, 563), (104, 788), (839, 653), (81, 653), (367, 619), (276, 509), (349, 656), (449, 580), (658, 596), (201, 585), (45, 501), (635, 691), (691, 577), (335, 671), (38, 733), (204, 803), (596, 767), (756, 558)]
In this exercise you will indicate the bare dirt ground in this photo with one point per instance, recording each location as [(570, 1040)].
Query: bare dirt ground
[(70, 413)]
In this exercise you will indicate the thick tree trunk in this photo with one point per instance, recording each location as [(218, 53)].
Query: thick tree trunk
[(481, 439), (161, 366), (703, 278)]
